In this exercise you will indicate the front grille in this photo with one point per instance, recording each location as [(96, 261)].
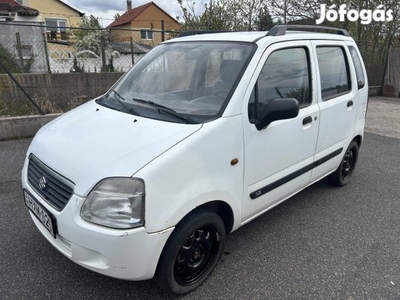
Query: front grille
[(53, 187)]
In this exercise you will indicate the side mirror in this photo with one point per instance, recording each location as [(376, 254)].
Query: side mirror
[(278, 109)]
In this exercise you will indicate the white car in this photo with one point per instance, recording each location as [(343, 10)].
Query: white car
[(204, 134)]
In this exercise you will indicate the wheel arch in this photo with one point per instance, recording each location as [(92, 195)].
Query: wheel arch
[(358, 140), (222, 209)]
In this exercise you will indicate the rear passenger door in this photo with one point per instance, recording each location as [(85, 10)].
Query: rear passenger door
[(336, 101)]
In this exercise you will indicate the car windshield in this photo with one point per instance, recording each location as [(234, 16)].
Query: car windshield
[(185, 81)]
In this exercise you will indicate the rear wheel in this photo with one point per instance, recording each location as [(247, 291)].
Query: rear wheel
[(346, 168), (191, 252)]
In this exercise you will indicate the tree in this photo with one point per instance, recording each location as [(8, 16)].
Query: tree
[(9, 61), (191, 21), (90, 22), (221, 15), (214, 17), (90, 36), (264, 20), (249, 9)]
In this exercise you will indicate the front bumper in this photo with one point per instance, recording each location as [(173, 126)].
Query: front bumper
[(126, 254)]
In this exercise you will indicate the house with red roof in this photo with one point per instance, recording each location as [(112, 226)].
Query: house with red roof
[(143, 25), (11, 10)]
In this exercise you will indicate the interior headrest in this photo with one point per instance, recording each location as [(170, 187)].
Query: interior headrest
[(229, 69)]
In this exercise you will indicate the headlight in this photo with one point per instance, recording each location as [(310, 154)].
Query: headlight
[(115, 203)]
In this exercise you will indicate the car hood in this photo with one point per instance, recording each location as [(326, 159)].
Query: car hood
[(93, 142)]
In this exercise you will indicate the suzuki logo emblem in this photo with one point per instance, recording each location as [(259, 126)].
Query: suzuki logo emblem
[(42, 183)]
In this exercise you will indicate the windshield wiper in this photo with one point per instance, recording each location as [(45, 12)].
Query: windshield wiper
[(121, 100), (169, 111)]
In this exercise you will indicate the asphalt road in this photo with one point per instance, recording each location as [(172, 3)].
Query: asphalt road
[(324, 243)]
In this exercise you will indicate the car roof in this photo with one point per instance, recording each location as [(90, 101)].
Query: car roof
[(254, 36), (282, 32), (240, 36)]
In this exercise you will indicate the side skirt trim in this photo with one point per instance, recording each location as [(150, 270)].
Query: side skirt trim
[(287, 178)]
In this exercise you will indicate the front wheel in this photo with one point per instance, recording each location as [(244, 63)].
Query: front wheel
[(191, 252), (346, 168)]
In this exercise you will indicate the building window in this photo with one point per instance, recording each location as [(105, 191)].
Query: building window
[(24, 51), (146, 34), (55, 27)]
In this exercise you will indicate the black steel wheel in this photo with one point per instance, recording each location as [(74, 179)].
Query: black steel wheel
[(346, 168), (191, 252)]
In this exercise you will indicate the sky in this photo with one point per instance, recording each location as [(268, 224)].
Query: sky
[(105, 10)]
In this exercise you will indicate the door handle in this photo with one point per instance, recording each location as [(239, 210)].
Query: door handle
[(350, 103), (307, 120)]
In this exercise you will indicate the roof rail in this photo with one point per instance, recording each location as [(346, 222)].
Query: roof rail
[(195, 32), (281, 29)]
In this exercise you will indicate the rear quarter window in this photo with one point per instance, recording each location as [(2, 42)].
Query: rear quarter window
[(358, 66)]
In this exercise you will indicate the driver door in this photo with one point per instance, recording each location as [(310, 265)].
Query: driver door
[(278, 158)]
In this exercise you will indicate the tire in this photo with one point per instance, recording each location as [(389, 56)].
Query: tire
[(191, 253), (342, 175)]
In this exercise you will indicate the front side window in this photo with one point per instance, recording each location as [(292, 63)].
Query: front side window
[(333, 70), (285, 74), (193, 79)]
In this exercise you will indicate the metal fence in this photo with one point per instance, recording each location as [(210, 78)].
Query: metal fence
[(392, 76), (101, 54), (31, 48)]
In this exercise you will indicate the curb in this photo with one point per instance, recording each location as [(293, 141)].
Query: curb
[(23, 127)]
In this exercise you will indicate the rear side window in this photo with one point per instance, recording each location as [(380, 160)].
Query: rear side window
[(285, 74), (333, 69), (358, 66)]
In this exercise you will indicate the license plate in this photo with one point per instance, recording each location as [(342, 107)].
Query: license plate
[(42, 214)]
